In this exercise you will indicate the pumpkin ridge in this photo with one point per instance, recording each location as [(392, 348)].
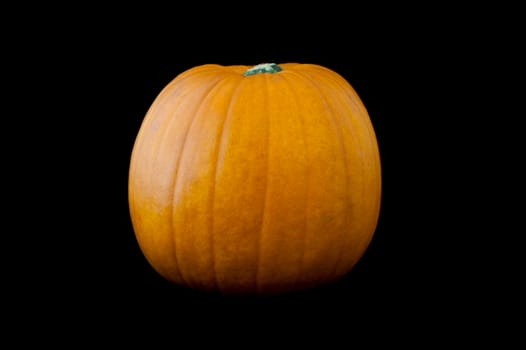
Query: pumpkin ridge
[(356, 112), (265, 197), (362, 117), (219, 148), (307, 187), (161, 137), (344, 157), (139, 141), (177, 173), (152, 114), (352, 131)]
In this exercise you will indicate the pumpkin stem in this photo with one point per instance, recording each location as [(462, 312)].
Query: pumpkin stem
[(263, 68)]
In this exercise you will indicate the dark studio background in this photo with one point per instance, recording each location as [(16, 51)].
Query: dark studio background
[(395, 268), (110, 72)]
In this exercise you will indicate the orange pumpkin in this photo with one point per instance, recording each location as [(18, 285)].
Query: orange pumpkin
[(255, 180)]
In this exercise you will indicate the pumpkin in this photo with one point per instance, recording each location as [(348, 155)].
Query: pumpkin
[(255, 180)]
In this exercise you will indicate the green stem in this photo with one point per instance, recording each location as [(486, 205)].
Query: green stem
[(263, 68)]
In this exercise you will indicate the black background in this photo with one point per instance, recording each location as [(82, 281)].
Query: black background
[(398, 268), (96, 74)]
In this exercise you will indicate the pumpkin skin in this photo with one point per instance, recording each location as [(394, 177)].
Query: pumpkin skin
[(255, 184)]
